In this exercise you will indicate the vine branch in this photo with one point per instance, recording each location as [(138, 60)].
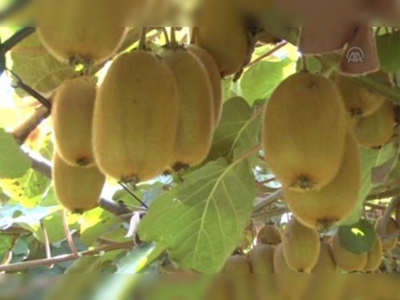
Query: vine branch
[(62, 258)]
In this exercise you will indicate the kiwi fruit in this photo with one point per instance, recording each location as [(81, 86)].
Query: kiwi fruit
[(334, 202), (238, 270), (262, 264), (376, 129), (326, 287), (262, 259), (72, 115), (269, 234), (326, 263), (219, 289), (291, 285), (391, 228), (214, 77), (196, 116), (83, 31), (301, 246), (77, 189), (374, 259), (225, 38), (87, 45), (345, 259), (359, 101), (135, 118), (304, 128)]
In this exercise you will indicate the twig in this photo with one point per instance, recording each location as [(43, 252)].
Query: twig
[(261, 204), (15, 39), (386, 217), (68, 234), (26, 127), (63, 258), (46, 243), (268, 53)]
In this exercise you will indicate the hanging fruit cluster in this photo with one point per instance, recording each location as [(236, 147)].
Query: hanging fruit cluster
[(299, 264)]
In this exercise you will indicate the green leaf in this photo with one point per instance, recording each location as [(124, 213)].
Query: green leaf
[(201, 222), (37, 68), (260, 80), (358, 238), (119, 287), (13, 161), (28, 189), (5, 245), (96, 223), (388, 51), (370, 158), (238, 128)]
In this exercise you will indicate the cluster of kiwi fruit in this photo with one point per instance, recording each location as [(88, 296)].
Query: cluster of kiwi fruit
[(297, 263), (152, 114), (311, 150), (371, 115)]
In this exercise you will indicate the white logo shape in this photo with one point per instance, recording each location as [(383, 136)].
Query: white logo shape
[(355, 55)]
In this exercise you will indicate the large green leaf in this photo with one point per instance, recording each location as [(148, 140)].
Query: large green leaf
[(201, 222), (389, 53), (28, 189), (13, 162), (238, 129), (260, 80), (37, 68), (370, 159)]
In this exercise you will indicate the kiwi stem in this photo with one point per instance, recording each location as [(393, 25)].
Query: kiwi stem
[(142, 40), (46, 242), (68, 234), (125, 187)]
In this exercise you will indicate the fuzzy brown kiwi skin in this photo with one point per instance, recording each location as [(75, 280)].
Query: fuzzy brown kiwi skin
[(345, 259), (196, 115), (391, 228), (72, 115), (295, 150), (334, 202), (301, 246), (359, 101), (133, 137), (77, 189), (215, 78), (374, 259), (269, 234), (376, 129)]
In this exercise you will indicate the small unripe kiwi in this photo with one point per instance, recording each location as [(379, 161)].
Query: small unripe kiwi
[(77, 189), (304, 128), (72, 115)]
